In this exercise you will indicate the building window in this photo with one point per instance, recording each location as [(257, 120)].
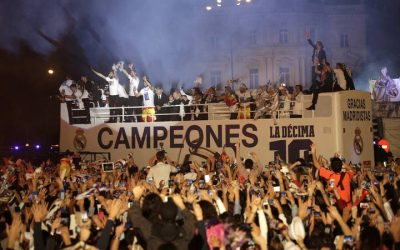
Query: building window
[(344, 41), (215, 78), (253, 78), (284, 75), (214, 42), (253, 37), (283, 36)]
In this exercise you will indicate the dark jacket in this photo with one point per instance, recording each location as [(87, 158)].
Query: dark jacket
[(152, 232), (321, 55), (160, 101)]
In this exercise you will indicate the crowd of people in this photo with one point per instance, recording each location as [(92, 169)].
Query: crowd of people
[(151, 103), (224, 202)]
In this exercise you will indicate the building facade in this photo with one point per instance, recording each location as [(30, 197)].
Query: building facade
[(268, 42)]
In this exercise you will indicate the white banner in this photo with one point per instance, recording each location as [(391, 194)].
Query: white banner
[(346, 131)]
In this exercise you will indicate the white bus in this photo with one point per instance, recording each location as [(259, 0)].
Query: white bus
[(341, 123)]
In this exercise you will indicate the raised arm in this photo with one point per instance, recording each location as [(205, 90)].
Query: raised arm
[(260, 167), (240, 167), (99, 74), (147, 82), (311, 43), (308, 37), (314, 156), (126, 73)]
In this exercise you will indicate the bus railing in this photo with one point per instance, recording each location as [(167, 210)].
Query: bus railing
[(209, 111)]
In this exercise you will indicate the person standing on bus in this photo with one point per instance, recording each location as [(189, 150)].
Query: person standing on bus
[(325, 84), (113, 99), (318, 60), (148, 113), (133, 101)]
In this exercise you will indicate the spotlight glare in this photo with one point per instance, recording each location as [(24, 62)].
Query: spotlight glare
[(37, 146), (26, 144), (208, 8), (248, 1), (50, 71), (16, 147)]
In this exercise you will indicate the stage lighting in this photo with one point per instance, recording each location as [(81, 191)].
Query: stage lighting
[(50, 71), (248, 1), (37, 146), (16, 147), (208, 8), (26, 144)]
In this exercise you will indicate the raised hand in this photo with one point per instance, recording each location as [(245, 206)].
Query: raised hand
[(198, 213), (395, 228), (40, 211), (119, 230), (13, 232), (137, 192), (56, 224), (178, 201), (313, 148), (114, 209), (334, 212)]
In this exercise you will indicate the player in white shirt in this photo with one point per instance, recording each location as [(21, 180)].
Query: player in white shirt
[(83, 99), (113, 99), (148, 113), (134, 101), (244, 97), (297, 97), (160, 173), (66, 95), (341, 79)]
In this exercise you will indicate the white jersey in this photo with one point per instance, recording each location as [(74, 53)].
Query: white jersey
[(65, 89), (85, 94), (122, 92), (113, 85), (340, 78), (148, 97), (243, 97), (161, 172), (298, 104), (78, 94), (133, 85)]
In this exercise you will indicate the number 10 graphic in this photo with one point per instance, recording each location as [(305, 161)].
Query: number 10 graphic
[(293, 150)]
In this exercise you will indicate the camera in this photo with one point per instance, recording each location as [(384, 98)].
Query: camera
[(85, 217), (107, 166), (348, 240), (332, 183), (364, 205)]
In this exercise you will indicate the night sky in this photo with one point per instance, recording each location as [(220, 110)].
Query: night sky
[(29, 110)]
